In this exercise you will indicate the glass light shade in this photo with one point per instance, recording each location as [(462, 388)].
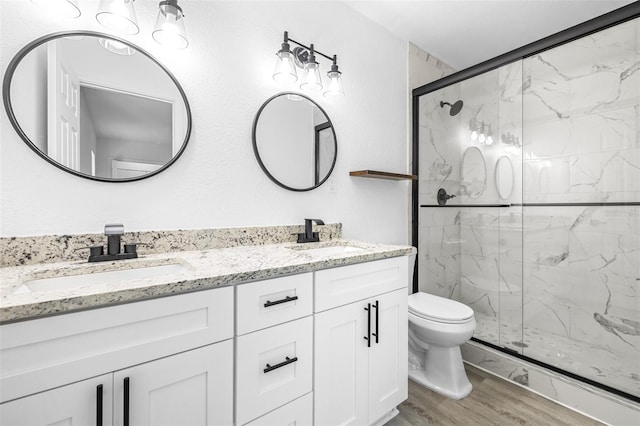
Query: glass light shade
[(489, 140), (311, 79), (117, 47), (474, 135), (118, 15), (285, 70), (65, 8), (335, 84), (482, 137), (169, 30)]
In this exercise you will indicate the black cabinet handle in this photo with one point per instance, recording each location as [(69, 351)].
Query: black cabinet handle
[(277, 302), (126, 402), (377, 333), (368, 336), (99, 405), (282, 364)]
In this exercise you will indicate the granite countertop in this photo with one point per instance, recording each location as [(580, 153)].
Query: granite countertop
[(202, 270)]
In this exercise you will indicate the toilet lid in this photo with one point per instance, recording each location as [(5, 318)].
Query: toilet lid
[(438, 308)]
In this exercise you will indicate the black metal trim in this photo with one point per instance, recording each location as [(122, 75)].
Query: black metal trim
[(287, 361), (596, 24), (415, 190), (587, 204), (278, 302), (553, 368), (6, 97), (257, 154)]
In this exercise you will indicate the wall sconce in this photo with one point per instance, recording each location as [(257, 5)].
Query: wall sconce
[(510, 139), (304, 57), (64, 8)]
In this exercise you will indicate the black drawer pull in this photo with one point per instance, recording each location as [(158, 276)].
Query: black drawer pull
[(277, 302), (99, 405), (377, 333), (282, 364), (125, 411)]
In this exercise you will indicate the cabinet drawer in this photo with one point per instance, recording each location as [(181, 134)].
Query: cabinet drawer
[(44, 353), (340, 286), (298, 413), (257, 391), (270, 302)]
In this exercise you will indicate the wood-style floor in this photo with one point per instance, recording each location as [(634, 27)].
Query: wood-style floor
[(493, 401)]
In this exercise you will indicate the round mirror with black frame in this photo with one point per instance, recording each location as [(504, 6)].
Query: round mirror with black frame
[(294, 142), (97, 106)]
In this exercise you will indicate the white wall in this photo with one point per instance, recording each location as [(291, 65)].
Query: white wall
[(226, 73)]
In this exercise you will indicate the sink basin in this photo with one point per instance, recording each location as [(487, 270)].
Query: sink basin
[(329, 251), (69, 282)]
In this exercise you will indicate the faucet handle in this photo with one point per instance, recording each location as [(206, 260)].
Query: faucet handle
[(317, 221), (114, 229)]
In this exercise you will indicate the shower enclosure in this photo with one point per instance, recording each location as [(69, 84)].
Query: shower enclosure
[(542, 238)]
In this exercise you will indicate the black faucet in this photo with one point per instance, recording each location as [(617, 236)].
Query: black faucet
[(114, 232), (308, 236), (443, 197)]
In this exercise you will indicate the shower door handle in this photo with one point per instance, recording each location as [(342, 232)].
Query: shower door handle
[(368, 336)]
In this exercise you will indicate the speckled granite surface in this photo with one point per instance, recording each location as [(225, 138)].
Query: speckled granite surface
[(204, 269), (64, 248)]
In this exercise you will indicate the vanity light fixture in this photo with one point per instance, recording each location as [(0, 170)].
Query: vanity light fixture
[(66, 8), (169, 30), (304, 57), (118, 16), (481, 132)]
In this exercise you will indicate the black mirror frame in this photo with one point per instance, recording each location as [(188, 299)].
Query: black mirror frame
[(6, 97), (257, 154)]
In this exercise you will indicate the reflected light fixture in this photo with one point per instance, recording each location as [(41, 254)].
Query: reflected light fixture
[(285, 70), (116, 47), (169, 30), (118, 16), (304, 57), (65, 8)]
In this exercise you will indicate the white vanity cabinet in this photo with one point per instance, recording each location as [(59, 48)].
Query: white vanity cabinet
[(274, 365), (360, 342), (162, 361)]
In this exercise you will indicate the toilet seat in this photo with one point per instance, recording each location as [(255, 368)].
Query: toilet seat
[(439, 309)]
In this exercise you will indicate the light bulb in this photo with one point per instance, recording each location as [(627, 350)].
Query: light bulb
[(118, 15), (311, 79), (482, 137), (285, 70), (474, 135), (63, 8), (489, 140), (116, 47), (335, 82), (170, 30)]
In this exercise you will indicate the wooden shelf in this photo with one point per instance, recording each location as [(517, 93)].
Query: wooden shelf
[(382, 175)]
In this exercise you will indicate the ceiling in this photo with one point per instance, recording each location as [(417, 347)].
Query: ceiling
[(463, 33)]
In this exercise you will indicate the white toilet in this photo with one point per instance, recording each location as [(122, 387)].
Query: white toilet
[(437, 328)]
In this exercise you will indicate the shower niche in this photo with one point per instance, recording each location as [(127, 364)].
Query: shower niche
[(547, 249)]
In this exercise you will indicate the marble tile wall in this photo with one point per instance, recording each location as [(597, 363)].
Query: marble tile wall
[(557, 284)]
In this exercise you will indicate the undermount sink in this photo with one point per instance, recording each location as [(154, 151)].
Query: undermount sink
[(329, 251), (80, 279)]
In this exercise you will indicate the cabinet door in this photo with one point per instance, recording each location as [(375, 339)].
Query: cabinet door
[(340, 391), (75, 404), (191, 388), (388, 353)]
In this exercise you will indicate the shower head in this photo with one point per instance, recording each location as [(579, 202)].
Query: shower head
[(455, 108)]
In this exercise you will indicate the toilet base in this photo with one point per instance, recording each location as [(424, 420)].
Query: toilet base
[(444, 373)]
